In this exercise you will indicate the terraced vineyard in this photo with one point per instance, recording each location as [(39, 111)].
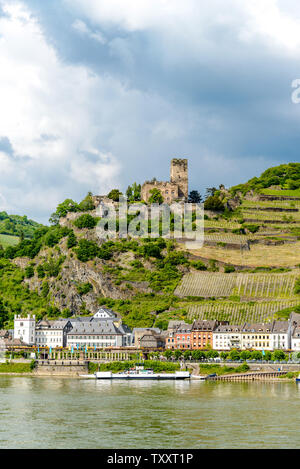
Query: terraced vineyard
[(258, 286), (239, 313), (221, 223), (268, 215), (280, 193), (228, 238), (285, 204)]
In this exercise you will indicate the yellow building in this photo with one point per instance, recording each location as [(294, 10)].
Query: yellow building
[(257, 336)]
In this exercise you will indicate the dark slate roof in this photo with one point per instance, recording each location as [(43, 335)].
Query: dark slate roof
[(55, 324), (258, 327), (146, 329), (95, 327), (280, 326), (204, 325), (295, 317), (183, 328), (228, 328)]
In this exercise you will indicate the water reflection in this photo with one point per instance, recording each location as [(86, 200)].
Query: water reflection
[(70, 413)]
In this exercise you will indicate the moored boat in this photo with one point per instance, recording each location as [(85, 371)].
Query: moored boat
[(298, 379), (141, 373)]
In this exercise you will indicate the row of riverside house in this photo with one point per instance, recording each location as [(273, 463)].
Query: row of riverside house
[(203, 334), (105, 329)]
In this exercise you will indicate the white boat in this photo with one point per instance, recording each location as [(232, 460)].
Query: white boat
[(140, 373), (201, 377)]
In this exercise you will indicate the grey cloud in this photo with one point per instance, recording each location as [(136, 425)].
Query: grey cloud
[(225, 105)]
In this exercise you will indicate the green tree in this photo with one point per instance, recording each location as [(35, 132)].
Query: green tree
[(214, 203), (3, 314), (86, 221), (195, 197), (168, 354), (45, 289), (212, 354), (133, 192), (234, 354), (178, 354), (72, 240), (245, 355), (29, 271), (187, 354), (40, 271), (278, 355), (114, 195), (210, 192), (256, 355), (87, 203), (156, 197), (63, 208)]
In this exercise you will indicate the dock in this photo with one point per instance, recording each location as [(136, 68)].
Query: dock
[(249, 376)]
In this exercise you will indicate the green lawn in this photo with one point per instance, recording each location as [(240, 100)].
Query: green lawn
[(8, 240), (15, 368)]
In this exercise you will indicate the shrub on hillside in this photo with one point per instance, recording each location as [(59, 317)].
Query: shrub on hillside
[(214, 203), (86, 221)]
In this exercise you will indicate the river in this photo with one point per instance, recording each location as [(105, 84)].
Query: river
[(58, 412)]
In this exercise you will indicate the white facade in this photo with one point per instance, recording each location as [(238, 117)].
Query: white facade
[(104, 313), (49, 338), (24, 329), (295, 340), (94, 340), (52, 333), (280, 341), (226, 340)]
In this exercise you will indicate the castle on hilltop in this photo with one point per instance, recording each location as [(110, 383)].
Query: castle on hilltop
[(176, 188)]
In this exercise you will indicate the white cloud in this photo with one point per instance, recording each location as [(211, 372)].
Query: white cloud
[(49, 115), (273, 22)]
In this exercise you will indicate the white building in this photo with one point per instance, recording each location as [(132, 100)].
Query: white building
[(227, 337), (295, 339), (99, 334), (280, 337), (24, 329), (52, 333)]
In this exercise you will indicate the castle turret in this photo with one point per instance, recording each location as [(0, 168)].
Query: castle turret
[(179, 176)]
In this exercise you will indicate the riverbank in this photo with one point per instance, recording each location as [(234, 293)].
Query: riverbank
[(53, 370)]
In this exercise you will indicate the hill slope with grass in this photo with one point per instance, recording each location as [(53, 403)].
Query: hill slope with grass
[(285, 177), (15, 226), (247, 270)]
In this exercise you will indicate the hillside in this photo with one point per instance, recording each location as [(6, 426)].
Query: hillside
[(248, 269), (14, 226), (285, 178)]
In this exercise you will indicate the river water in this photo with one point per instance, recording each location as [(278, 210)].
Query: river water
[(71, 413)]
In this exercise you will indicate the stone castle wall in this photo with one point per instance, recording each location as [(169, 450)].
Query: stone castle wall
[(176, 188)]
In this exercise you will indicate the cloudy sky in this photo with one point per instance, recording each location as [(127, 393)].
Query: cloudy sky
[(96, 94)]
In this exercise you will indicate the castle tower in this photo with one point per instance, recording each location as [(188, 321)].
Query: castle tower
[(179, 176), (24, 329)]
